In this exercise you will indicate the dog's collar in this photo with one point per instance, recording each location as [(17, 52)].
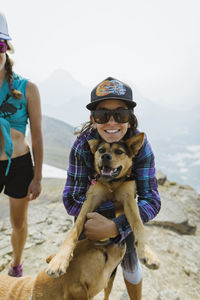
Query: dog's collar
[(31, 296)]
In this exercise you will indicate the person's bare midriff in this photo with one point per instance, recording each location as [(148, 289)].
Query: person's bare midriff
[(20, 144)]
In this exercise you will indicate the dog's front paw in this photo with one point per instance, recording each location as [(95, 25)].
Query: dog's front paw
[(152, 261), (57, 267), (59, 264), (148, 257)]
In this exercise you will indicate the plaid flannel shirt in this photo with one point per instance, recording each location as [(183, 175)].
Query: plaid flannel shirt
[(81, 171)]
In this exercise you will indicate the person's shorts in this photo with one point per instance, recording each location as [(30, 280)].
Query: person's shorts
[(20, 174)]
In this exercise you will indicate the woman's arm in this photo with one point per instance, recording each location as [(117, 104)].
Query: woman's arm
[(35, 117), (77, 183)]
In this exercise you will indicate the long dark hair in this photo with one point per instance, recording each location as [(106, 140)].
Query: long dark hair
[(9, 76), (130, 132)]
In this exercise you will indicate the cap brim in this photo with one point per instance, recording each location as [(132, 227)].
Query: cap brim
[(5, 37), (92, 106)]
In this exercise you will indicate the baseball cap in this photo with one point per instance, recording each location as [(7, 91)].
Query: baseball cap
[(4, 28), (111, 88)]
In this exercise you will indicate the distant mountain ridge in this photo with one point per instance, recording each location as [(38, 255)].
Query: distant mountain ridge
[(58, 138), (62, 98), (174, 136)]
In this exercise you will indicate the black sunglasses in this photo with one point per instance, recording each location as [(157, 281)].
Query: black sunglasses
[(120, 115)]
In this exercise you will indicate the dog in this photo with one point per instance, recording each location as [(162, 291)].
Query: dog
[(113, 164), (88, 273)]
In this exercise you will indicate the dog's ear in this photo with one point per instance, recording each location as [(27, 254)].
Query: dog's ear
[(93, 145), (78, 291), (48, 259), (135, 143)]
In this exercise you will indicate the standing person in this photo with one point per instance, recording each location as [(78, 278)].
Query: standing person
[(112, 119), (21, 182)]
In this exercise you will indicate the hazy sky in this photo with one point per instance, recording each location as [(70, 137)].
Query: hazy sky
[(152, 44)]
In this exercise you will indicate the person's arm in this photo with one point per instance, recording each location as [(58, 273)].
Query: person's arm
[(35, 117), (148, 196), (77, 183)]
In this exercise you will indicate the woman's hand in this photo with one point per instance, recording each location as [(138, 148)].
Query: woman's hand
[(34, 189), (97, 227)]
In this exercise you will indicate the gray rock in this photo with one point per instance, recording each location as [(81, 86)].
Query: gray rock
[(172, 215), (6, 250), (4, 262), (161, 178), (190, 269), (168, 295)]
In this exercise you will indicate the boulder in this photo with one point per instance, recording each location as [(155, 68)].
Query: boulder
[(161, 178), (172, 214)]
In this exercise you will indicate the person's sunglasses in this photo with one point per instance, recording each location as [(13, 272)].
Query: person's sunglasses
[(3, 47), (120, 115)]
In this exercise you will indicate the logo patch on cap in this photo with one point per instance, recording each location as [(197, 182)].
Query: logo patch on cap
[(110, 87)]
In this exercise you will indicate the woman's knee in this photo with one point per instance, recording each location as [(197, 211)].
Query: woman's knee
[(134, 276), (18, 213), (19, 224)]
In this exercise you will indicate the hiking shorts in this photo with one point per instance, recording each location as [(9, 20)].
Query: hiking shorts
[(20, 174)]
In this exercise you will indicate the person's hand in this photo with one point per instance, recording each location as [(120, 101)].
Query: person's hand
[(97, 227), (34, 189)]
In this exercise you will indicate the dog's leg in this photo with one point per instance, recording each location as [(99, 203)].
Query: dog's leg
[(109, 286), (125, 194), (132, 214), (60, 262)]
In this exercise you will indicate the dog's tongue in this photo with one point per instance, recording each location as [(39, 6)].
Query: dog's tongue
[(106, 171)]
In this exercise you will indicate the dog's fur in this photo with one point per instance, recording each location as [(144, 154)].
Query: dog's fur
[(113, 163), (88, 273)]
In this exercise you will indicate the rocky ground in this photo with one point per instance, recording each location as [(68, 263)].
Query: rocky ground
[(173, 235)]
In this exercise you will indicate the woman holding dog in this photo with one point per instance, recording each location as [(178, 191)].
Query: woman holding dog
[(112, 119), (19, 101)]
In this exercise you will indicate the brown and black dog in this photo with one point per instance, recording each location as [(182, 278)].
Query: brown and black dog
[(113, 163), (88, 273)]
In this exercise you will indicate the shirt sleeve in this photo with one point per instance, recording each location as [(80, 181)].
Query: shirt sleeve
[(147, 190), (74, 193)]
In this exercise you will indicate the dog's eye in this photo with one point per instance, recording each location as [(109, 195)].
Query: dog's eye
[(118, 151), (102, 150)]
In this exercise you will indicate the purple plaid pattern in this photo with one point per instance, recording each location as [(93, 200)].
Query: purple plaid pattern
[(80, 173)]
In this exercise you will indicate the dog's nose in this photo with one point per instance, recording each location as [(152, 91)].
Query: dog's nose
[(106, 157)]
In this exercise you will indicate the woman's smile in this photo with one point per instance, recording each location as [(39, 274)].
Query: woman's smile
[(111, 131)]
